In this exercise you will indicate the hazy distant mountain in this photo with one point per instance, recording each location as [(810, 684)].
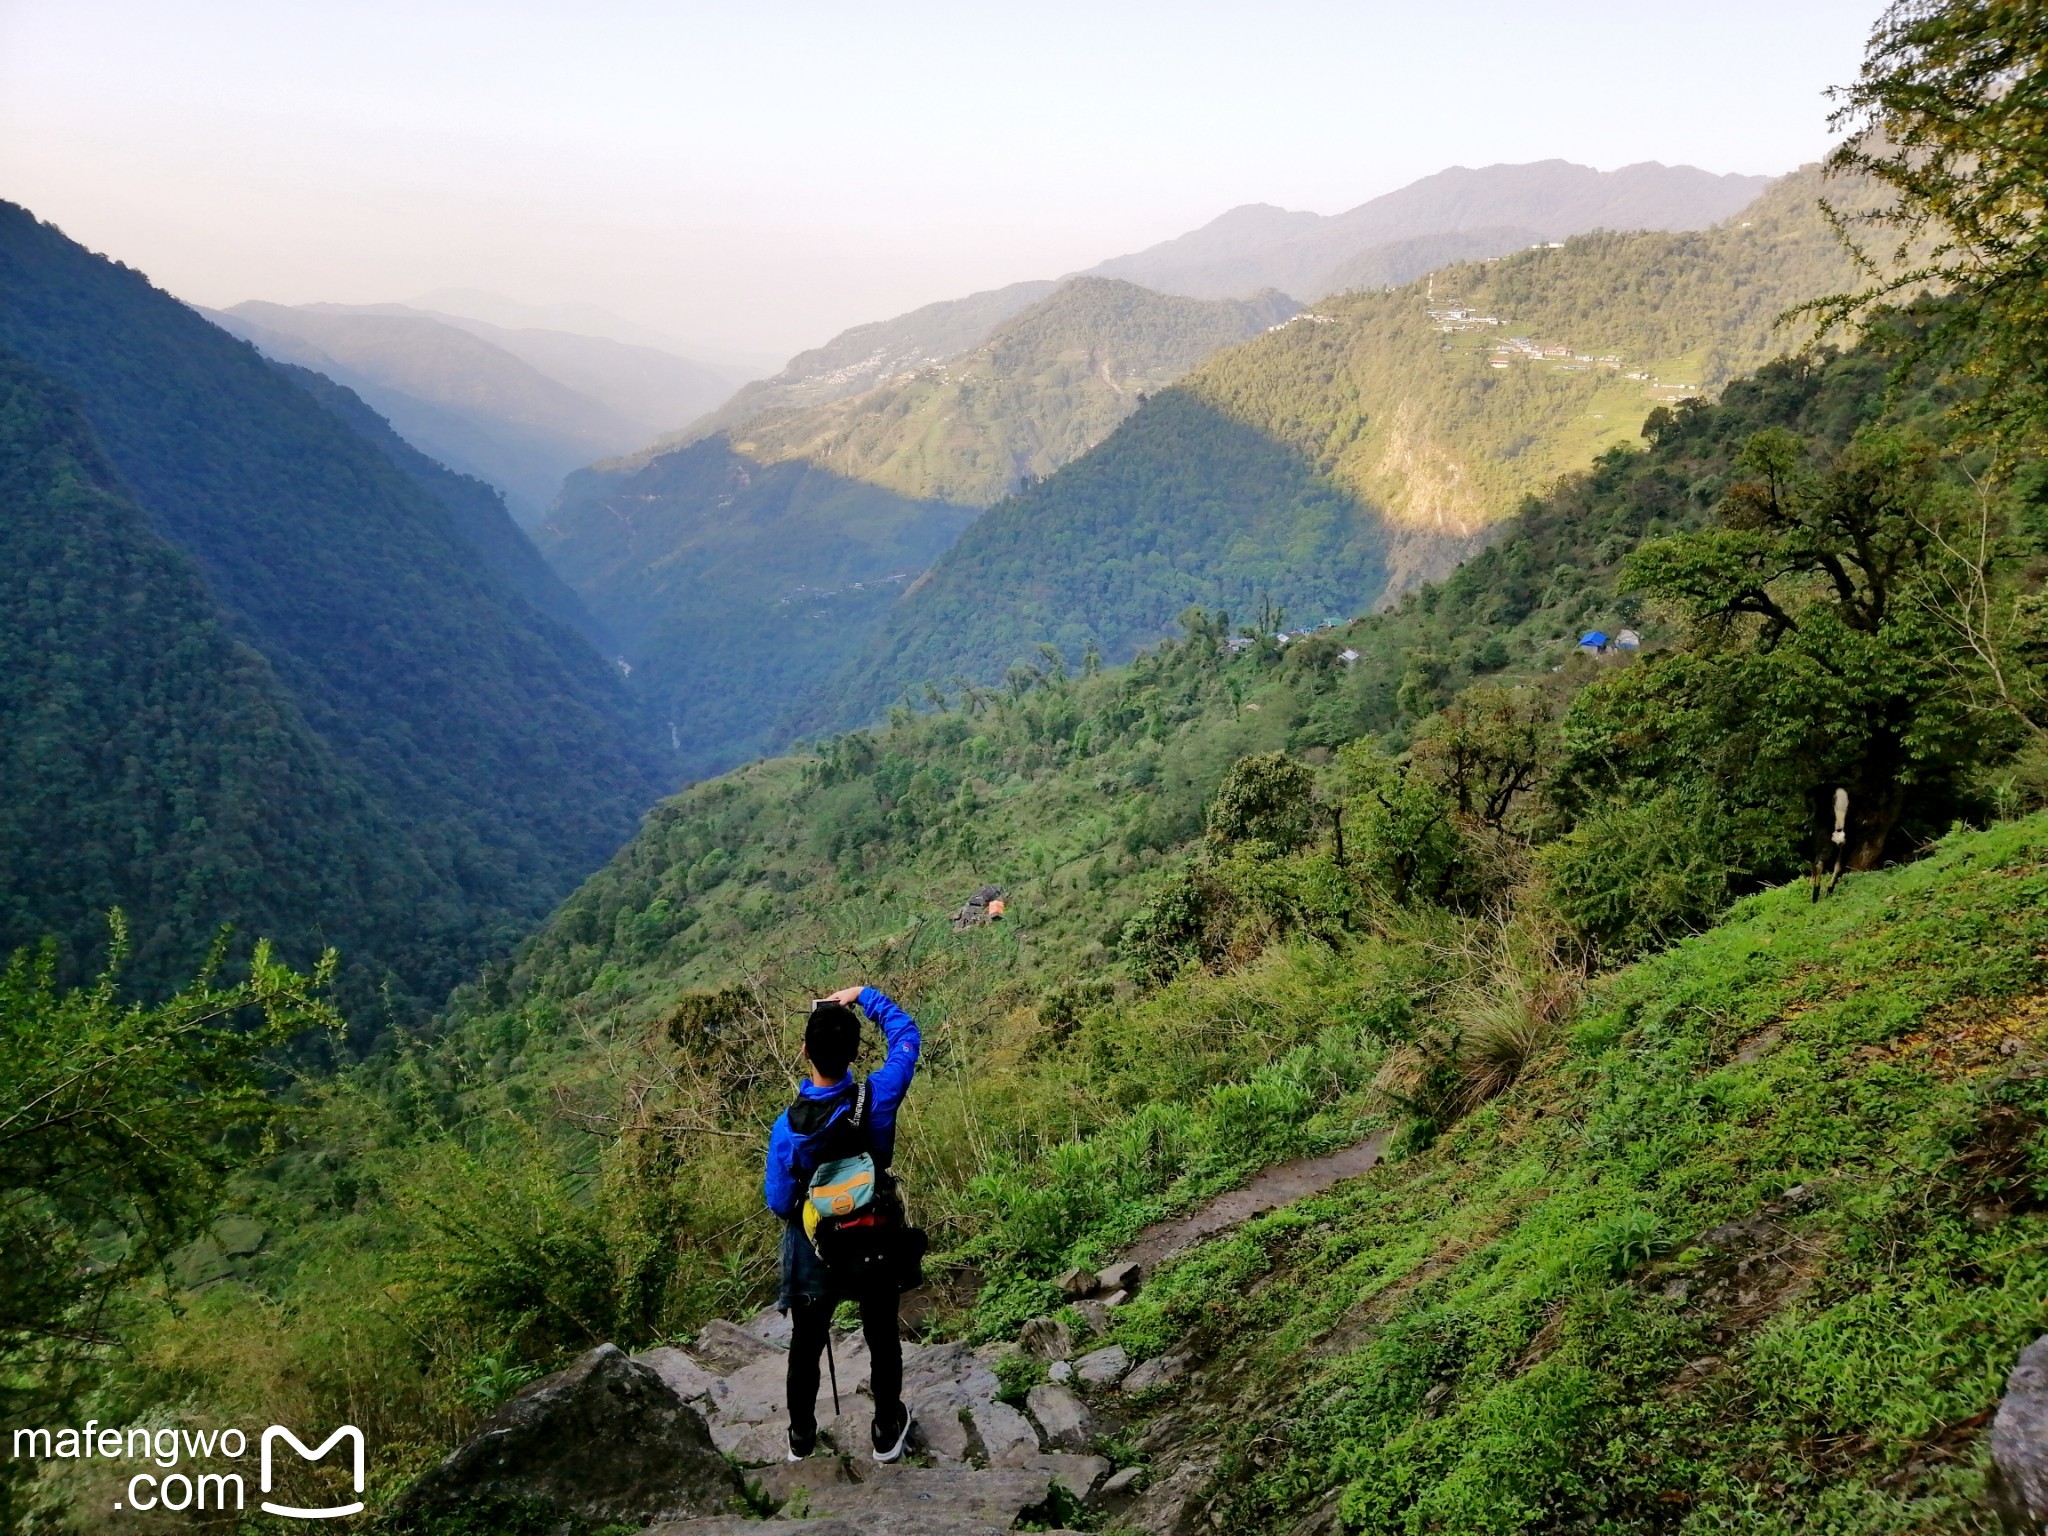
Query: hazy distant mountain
[(656, 389), (1044, 387), (858, 359), (472, 404), (1499, 208), (585, 320), (1359, 450)]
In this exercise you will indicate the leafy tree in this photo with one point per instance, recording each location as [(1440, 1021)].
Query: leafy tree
[(118, 1122), (1488, 750), (1951, 114), (1269, 798), (1814, 660), (1635, 874)]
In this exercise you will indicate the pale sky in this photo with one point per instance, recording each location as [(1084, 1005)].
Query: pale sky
[(755, 176)]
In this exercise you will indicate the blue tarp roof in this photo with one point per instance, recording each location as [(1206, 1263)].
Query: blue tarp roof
[(1593, 637)]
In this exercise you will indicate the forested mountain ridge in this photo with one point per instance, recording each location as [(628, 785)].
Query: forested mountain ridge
[(1400, 235), (1364, 446), (477, 508), (1041, 389), (737, 570), (653, 388), (733, 586), (154, 762), (496, 738)]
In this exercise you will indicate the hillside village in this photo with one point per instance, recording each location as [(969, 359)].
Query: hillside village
[(1562, 357)]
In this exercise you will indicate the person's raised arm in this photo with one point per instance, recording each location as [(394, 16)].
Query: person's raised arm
[(891, 1080)]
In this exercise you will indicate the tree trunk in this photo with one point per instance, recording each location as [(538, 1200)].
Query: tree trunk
[(1873, 817)]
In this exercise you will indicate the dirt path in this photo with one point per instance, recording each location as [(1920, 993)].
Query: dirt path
[(1282, 1185)]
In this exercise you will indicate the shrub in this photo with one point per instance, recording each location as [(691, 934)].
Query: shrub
[(1269, 798), (1633, 876)]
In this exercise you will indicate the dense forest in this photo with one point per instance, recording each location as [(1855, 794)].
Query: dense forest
[(732, 585), (153, 761), (1692, 974), (494, 738), (477, 508)]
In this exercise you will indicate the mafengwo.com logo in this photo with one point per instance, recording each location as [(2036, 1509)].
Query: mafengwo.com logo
[(162, 1486)]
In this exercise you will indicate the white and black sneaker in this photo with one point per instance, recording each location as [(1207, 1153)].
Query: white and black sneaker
[(801, 1446), (890, 1437)]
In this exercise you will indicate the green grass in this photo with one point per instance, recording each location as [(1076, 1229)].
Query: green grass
[(1752, 1251)]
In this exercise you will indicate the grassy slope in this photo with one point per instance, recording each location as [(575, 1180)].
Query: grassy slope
[(1751, 1248)]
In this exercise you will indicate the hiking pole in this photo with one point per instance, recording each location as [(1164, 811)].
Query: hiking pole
[(832, 1366)]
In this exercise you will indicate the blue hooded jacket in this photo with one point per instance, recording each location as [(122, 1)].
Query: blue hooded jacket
[(791, 1160)]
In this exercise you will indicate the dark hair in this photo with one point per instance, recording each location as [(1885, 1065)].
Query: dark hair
[(832, 1037)]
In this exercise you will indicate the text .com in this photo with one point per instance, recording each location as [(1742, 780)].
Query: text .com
[(170, 1489)]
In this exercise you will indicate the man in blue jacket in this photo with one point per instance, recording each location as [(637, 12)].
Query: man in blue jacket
[(831, 1041)]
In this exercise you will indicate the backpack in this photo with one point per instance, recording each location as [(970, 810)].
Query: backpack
[(853, 1211), (842, 1186)]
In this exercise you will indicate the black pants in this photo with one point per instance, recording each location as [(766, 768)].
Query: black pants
[(810, 1321)]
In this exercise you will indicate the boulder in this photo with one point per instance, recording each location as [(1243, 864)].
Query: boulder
[(1064, 1417), (752, 1445), (1103, 1367), (742, 1526), (936, 1427), (1116, 1491), (725, 1347), (1120, 1277), (1094, 1314), (771, 1325), (605, 1442), (1077, 1283), (1060, 1370), (758, 1393), (1114, 1300), (951, 1366), (2019, 1443), (1156, 1373), (1175, 1505), (786, 1479), (1004, 1432), (1046, 1337), (685, 1377), (1077, 1474), (848, 1432)]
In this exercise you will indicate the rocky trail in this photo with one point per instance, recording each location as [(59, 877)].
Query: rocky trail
[(1277, 1186), (690, 1441)]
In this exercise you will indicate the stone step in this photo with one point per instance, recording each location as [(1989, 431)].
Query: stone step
[(992, 1496)]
